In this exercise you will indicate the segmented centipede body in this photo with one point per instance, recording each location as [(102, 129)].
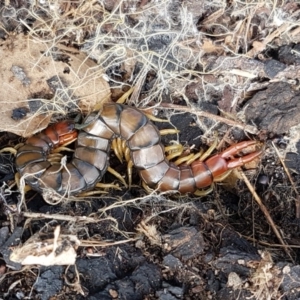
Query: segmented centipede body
[(91, 158)]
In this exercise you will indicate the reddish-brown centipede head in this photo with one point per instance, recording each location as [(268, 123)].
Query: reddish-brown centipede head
[(62, 132)]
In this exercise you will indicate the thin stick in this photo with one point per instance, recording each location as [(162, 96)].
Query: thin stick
[(248, 128), (297, 199), (266, 213), (285, 169), (92, 243), (254, 240), (84, 219)]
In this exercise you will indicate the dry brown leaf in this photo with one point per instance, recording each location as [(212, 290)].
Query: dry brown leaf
[(209, 47), (258, 46), (29, 74)]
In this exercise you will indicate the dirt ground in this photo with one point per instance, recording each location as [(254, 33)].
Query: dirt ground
[(221, 70)]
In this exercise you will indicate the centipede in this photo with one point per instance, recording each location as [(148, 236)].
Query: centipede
[(91, 157)]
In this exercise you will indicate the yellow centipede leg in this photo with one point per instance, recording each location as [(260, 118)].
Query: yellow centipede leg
[(124, 147), (120, 148), (147, 188), (9, 149), (117, 175), (174, 151), (99, 105), (223, 176), (26, 187), (97, 192), (174, 154), (108, 186), (54, 158), (155, 119), (129, 172), (115, 148), (174, 148), (208, 152), (204, 192), (194, 157), (181, 160), (127, 154), (124, 97), (168, 131), (91, 193), (62, 148)]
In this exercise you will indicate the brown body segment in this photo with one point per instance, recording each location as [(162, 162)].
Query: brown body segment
[(187, 182), (89, 172), (25, 157), (146, 158), (145, 137), (171, 179), (52, 178), (91, 158), (40, 140), (202, 174)]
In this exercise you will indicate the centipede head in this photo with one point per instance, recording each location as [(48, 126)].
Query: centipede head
[(62, 133)]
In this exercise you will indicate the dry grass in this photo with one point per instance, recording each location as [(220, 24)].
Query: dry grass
[(167, 45)]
